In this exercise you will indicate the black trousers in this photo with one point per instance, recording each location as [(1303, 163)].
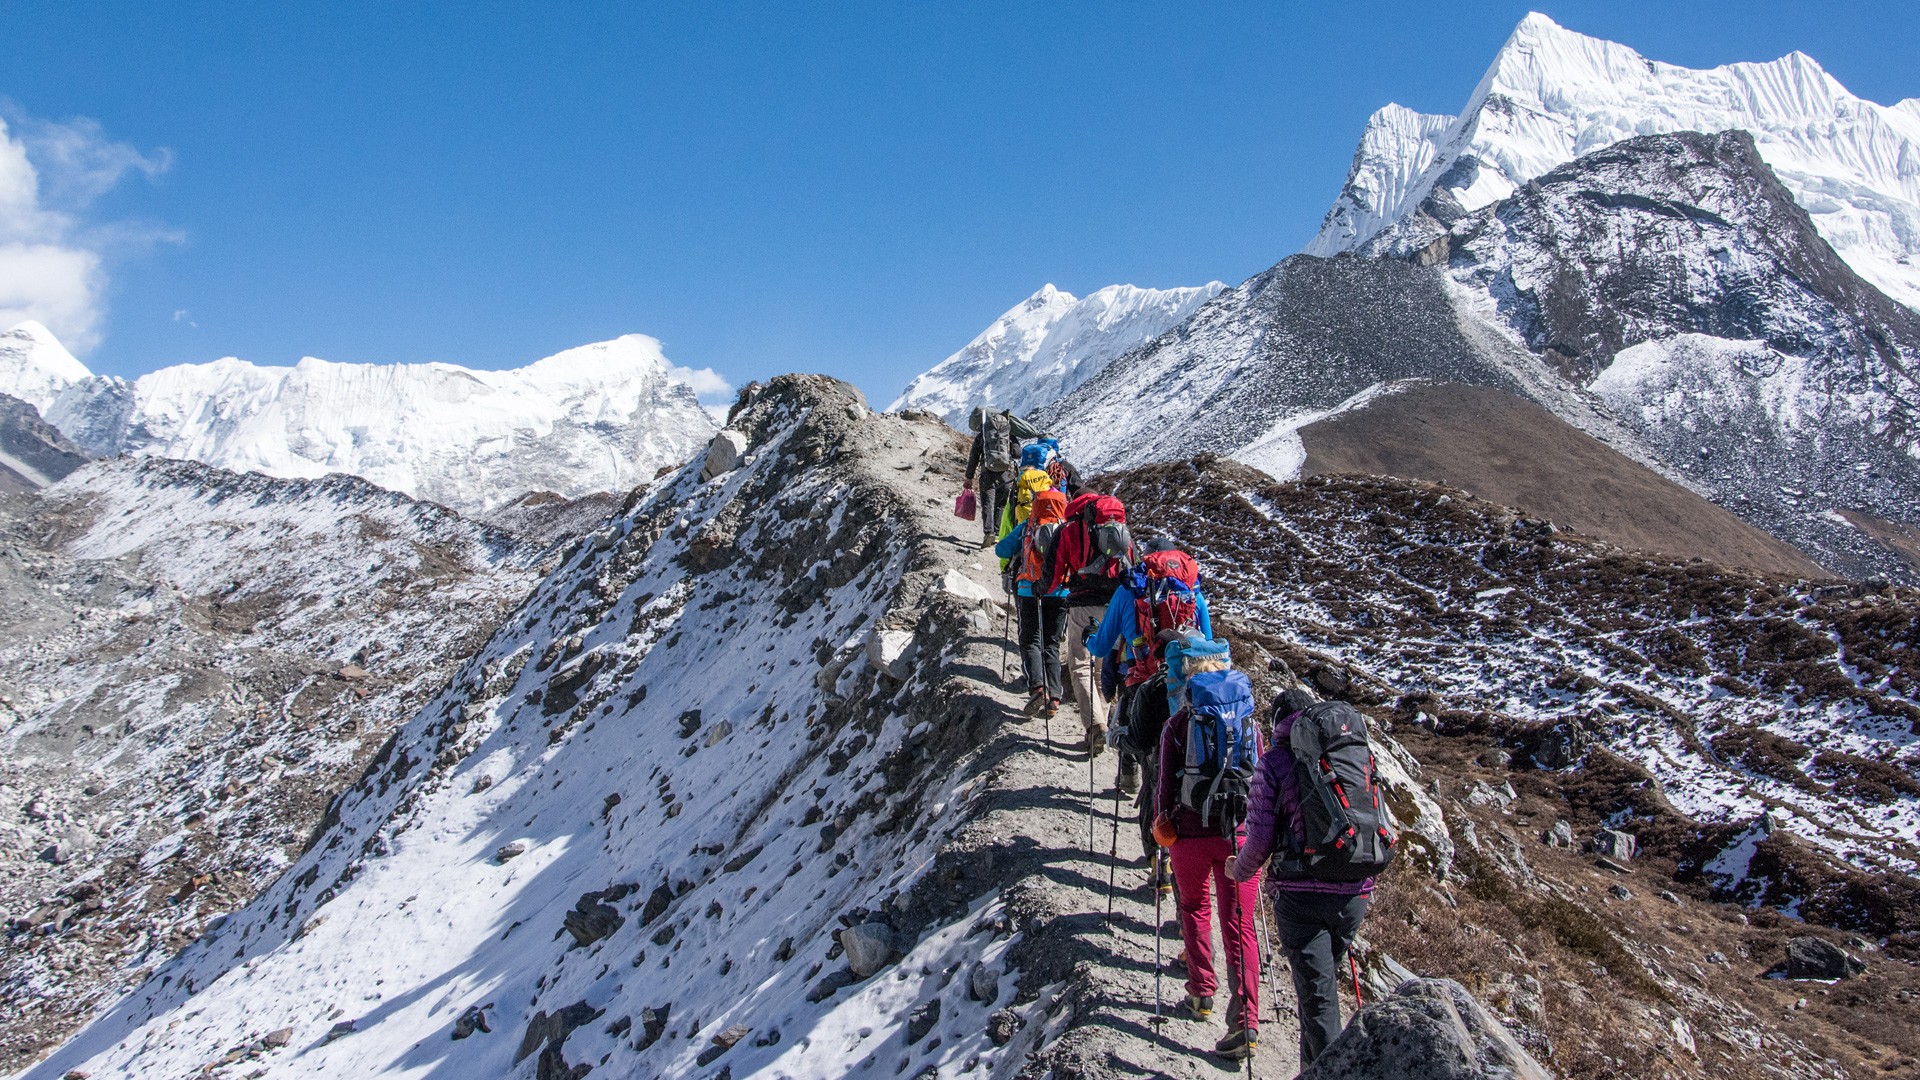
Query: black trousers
[(995, 489), (1043, 630), (1314, 931)]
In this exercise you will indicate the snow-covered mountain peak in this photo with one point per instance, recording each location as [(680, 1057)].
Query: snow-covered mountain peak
[(600, 417), (627, 355), (35, 367), (1552, 95), (1047, 345)]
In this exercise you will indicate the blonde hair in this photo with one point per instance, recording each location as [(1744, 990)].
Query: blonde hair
[(1204, 663)]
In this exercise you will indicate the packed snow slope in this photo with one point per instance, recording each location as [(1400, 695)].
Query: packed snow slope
[(1046, 346), (191, 662), (601, 417), (1552, 95)]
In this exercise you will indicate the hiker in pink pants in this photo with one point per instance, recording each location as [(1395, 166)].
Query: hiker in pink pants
[(1200, 853)]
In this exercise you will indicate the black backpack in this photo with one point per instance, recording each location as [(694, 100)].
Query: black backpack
[(1343, 831), (1143, 713), (1222, 749)]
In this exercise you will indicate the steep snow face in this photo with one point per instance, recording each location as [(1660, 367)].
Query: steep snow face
[(35, 367), (1047, 346), (1552, 95), (192, 662), (716, 728), (1677, 278), (601, 417)]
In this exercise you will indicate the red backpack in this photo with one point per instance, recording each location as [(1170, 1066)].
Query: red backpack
[(1166, 597)]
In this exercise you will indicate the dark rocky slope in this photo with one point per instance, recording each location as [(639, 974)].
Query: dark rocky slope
[(33, 453)]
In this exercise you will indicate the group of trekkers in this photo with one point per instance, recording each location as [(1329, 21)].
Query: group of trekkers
[(1227, 800)]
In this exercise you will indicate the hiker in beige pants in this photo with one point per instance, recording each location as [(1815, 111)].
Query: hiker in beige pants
[(1083, 673)]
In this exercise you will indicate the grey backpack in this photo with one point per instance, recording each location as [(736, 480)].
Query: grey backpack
[(996, 442)]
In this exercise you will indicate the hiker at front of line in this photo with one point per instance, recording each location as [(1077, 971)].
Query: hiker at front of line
[(1031, 547), (1317, 825), (1208, 755), (994, 455)]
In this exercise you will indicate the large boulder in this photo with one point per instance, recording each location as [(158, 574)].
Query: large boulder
[(724, 454), (870, 946), (1430, 1029), (1816, 958)]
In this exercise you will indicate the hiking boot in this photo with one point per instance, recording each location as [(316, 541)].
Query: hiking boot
[(1052, 708), (1200, 1008), (1238, 1045), (1129, 775), (1096, 742), (1036, 701)]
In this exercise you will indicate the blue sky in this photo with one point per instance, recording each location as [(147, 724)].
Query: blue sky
[(849, 188)]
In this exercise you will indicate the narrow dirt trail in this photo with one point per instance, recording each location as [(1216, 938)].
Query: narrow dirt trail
[(1041, 792)]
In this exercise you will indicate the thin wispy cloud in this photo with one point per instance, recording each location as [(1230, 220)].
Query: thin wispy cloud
[(53, 250)]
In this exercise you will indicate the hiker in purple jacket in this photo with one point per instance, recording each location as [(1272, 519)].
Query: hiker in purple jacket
[(1317, 920)]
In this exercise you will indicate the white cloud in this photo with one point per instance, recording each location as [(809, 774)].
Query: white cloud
[(51, 254), (706, 382)]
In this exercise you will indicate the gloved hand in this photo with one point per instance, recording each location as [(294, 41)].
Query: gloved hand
[(1163, 833)]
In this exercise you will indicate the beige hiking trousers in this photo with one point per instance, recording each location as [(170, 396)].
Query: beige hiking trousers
[(1083, 671)]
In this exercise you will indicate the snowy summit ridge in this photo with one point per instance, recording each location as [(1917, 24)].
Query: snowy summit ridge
[(1552, 95), (1046, 346), (600, 417)]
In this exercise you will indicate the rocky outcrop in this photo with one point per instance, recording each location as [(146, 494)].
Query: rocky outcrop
[(1430, 1029)]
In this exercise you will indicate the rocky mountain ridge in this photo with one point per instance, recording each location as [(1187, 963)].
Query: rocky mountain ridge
[(587, 854), (33, 453)]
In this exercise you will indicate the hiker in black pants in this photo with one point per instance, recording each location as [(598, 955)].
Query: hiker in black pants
[(1317, 919), (997, 435)]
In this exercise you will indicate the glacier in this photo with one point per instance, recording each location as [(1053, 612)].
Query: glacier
[(1552, 95), (1046, 346), (601, 417)]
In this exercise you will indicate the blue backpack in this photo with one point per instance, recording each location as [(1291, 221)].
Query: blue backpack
[(1039, 455), (1216, 779)]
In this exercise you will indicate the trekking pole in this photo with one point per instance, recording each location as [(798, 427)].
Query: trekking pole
[(1240, 968), (1354, 964), (1090, 796), (1268, 964), (1007, 637), (1113, 854), (1158, 926)]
